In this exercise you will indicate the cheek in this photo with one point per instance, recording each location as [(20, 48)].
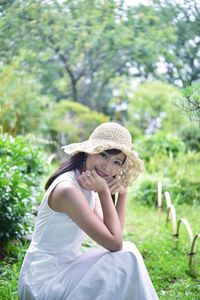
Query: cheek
[(87, 162), (90, 162), (115, 170)]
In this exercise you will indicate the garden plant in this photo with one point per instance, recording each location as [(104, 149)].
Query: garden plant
[(67, 66)]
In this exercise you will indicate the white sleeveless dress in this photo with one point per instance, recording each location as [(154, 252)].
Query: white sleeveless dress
[(54, 268)]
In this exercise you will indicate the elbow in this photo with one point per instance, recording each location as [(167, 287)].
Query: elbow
[(117, 246)]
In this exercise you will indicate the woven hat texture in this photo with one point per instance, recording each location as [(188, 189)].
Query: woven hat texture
[(111, 135)]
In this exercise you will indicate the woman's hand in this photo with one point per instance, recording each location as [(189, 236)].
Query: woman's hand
[(115, 186), (89, 180)]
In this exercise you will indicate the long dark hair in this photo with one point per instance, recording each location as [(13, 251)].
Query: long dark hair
[(75, 162)]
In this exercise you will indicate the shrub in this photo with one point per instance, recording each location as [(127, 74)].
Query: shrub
[(146, 190), (71, 122), (185, 191), (160, 145), (22, 106), (180, 177), (189, 102), (151, 107), (21, 171), (191, 137)]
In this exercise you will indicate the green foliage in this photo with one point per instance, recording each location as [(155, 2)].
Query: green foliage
[(160, 145), (191, 137), (73, 122), (183, 189), (153, 238), (147, 107), (21, 171), (182, 55), (9, 270), (189, 102), (75, 48), (166, 160), (21, 103), (145, 191), (151, 108)]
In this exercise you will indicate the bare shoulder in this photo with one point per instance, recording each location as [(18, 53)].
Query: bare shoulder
[(64, 188), (69, 199), (64, 193)]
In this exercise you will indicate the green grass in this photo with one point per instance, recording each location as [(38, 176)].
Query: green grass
[(167, 265), (9, 271)]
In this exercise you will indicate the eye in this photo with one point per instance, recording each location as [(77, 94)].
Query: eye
[(118, 163), (103, 154)]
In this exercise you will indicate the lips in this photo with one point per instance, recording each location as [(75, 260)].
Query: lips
[(100, 173)]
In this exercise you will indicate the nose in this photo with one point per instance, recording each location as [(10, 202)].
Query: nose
[(106, 166)]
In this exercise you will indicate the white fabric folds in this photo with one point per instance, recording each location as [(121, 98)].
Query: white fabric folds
[(54, 268)]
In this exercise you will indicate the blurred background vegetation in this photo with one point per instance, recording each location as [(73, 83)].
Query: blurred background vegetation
[(67, 66)]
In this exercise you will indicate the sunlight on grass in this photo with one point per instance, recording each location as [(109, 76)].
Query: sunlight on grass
[(167, 265)]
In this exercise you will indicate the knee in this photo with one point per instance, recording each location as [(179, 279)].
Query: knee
[(130, 248)]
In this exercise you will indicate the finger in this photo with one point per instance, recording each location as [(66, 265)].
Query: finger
[(114, 191), (88, 174), (115, 187), (111, 180), (81, 180), (85, 181), (114, 179), (85, 174), (96, 177), (86, 177), (94, 174)]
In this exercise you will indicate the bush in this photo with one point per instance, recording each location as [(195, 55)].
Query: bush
[(22, 106), (72, 122), (180, 177), (191, 137), (189, 102), (160, 145), (146, 190), (185, 191), (22, 168)]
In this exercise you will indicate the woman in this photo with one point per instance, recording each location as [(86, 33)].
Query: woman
[(53, 268)]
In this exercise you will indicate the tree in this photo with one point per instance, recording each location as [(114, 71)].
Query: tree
[(182, 57), (84, 44), (148, 107), (189, 102), (21, 103), (70, 122)]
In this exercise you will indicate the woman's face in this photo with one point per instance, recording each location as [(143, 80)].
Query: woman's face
[(105, 164)]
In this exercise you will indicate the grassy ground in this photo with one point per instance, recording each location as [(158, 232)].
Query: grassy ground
[(167, 265)]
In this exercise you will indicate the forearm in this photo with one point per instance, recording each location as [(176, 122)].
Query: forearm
[(110, 216), (121, 208)]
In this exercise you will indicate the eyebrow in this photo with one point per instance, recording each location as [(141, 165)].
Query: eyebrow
[(117, 158), (122, 160)]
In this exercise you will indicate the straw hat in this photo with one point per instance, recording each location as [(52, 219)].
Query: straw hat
[(107, 136)]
